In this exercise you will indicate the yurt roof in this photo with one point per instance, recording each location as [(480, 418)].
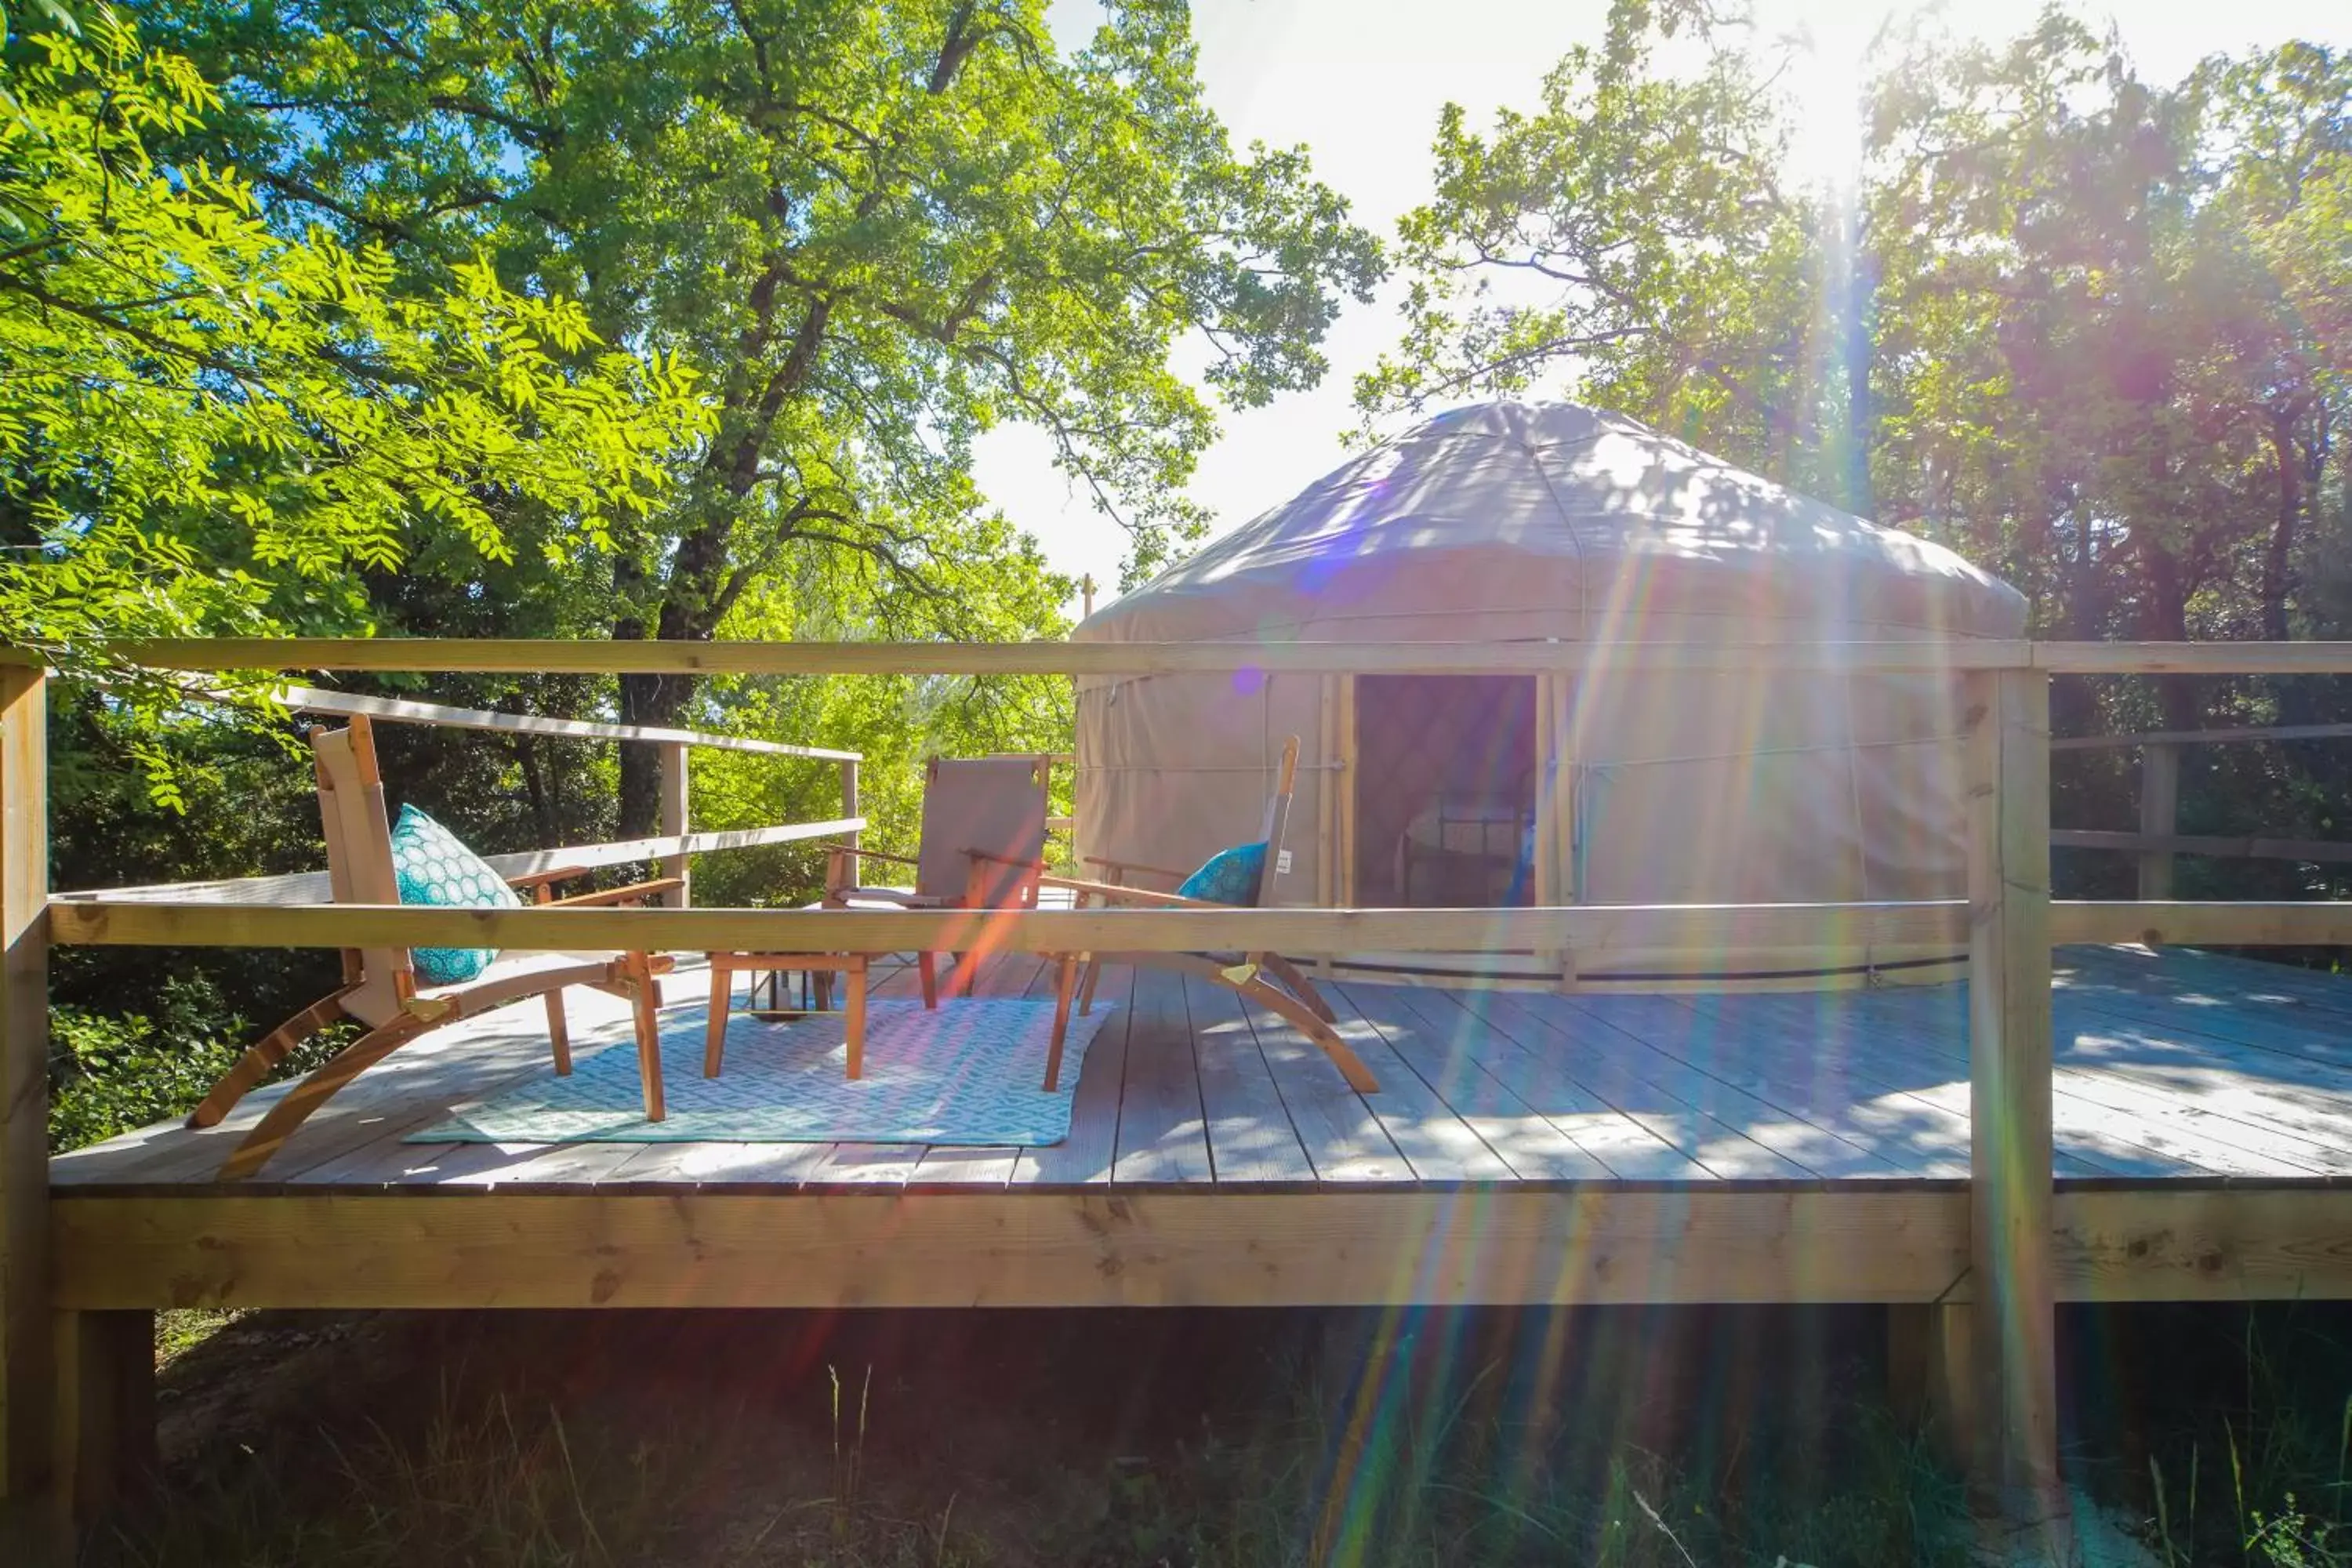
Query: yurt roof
[(1557, 520)]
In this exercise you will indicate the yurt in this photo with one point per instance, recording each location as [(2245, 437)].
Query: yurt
[(1507, 521)]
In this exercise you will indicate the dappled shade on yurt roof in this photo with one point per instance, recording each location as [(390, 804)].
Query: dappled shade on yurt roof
[(1508, 521)]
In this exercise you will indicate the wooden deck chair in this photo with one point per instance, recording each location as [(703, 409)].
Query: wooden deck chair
[(983, 848), (1253, 974), (380, 988)]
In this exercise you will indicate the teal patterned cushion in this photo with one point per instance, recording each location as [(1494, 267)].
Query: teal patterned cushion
[(434, 869), (1229, 877)]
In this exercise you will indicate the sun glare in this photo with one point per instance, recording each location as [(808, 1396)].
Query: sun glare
[(1821, 84)]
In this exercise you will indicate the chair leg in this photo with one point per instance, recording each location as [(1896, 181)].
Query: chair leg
[(926, 967), (558, 1035), (264, 1055), (853, 1022), (1343, 1056), (722, 998), (272, 1131), (1300, 986), (961, 973), (1086, 989), (1065, 974), (643, 1001)]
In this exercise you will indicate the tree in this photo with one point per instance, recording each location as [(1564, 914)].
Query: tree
[(210, 425), (2088, 329), (1636, 229), (877, 229)]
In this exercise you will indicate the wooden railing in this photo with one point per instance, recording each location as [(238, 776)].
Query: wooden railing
[(670, 848), (2008, 920), (2159, 837)]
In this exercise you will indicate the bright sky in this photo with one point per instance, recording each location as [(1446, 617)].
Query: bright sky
[(1361, 83)]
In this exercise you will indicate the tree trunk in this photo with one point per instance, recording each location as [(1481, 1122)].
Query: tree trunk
[(2165, 617), (534, 788), (2278, 559), (690, 611)]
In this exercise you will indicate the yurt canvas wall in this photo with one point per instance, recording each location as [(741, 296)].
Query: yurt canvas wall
[(1510, 522)]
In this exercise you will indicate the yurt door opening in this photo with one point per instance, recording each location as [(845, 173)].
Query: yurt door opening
[(1444, 777)]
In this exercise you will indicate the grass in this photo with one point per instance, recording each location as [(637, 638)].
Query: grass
[(1620, 1439)]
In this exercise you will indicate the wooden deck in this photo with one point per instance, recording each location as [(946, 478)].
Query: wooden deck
[(2177, 1066), (2203, 1112)]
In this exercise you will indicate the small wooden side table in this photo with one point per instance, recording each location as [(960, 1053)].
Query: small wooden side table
[(725, 966)]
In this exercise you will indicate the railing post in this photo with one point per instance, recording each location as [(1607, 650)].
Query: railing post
[(2015, 1444), (27, 1361), (2159, 815), (849, 808), (673, 819)]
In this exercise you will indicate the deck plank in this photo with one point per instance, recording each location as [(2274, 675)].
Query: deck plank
[(1627, 1148), (1164, 1133), (2171, 1065), (1921, 1032), (1014, 974), (1453, 1051), (1903, 1075), (2281, 990), (1088, 1155), (1432, 1137), (1817, 1079), (1343, 1140), (867, 1165), (1251, 1139), (1589, 1055), (2094, 1111), (1830, 1146), (2300, 1113)]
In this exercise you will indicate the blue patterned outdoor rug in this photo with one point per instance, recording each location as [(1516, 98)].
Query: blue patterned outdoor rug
[(969, 1073)]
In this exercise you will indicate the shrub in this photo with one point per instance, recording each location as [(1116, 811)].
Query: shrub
[(112, 1072)]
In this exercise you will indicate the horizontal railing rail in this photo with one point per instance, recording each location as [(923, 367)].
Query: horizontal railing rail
[(1691, 929), (2203, 737), (2159, 837), (427, 656), (2309, 851), (310, 887), (401, 710)]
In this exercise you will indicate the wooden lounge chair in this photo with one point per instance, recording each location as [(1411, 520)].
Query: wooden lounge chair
[(1253, 974), (380, 988), (983, 848)]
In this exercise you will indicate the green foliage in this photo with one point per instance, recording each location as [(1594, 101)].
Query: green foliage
[(209, 424), (897, 722), (2087, 329), (877, 230), (112, 1073)]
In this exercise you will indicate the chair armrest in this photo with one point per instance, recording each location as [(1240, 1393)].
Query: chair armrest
[(1118, 866), (838, 898), (636, 892), (1112, 892), (864, 854), (1005, 859), (529, 879)]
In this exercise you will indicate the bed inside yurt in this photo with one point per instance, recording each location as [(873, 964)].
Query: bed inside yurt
[(1513, 522)]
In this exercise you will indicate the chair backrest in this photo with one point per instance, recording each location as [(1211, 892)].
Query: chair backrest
[(996, 805), (357, 829), (1276, 823)]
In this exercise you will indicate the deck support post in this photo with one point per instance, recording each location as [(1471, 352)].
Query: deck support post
[(2012, 1363), (849, 808), (27, 1361), (106, 1409), (2159, 815), (672, 822)]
